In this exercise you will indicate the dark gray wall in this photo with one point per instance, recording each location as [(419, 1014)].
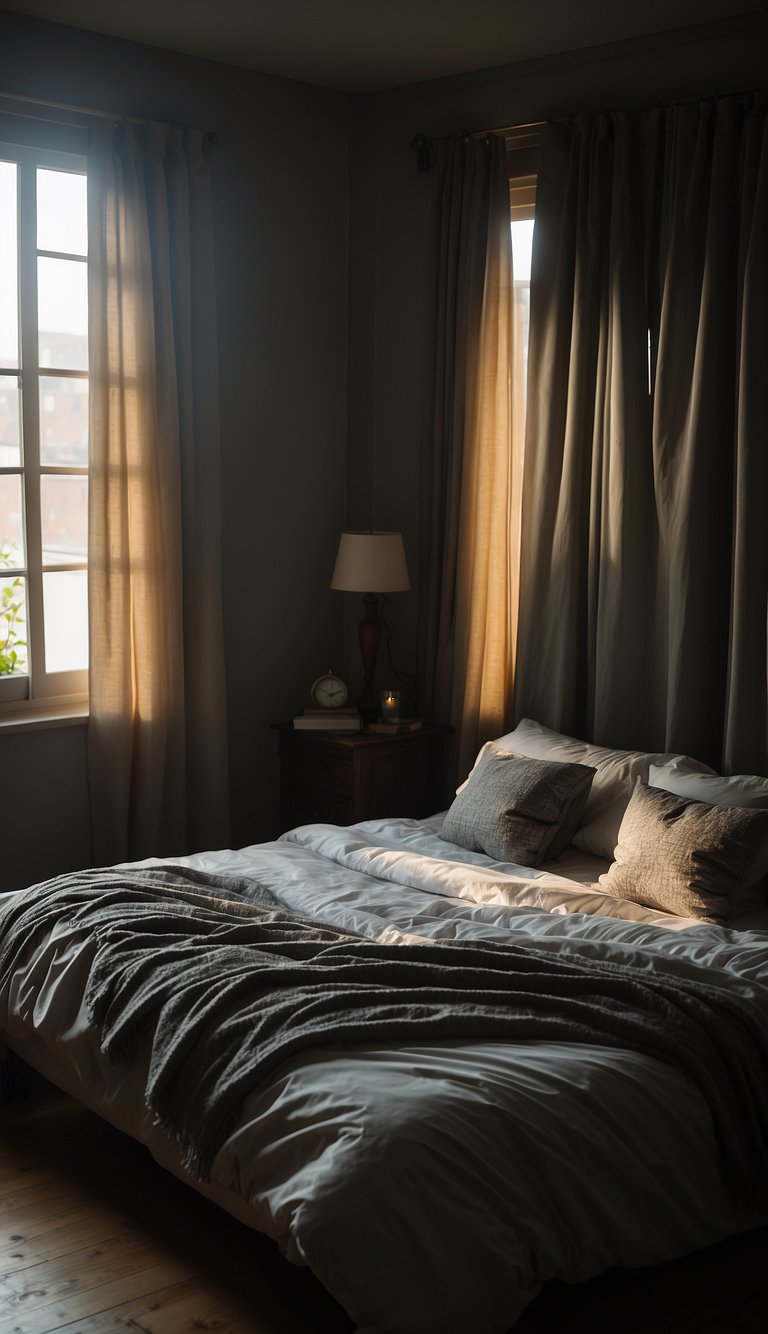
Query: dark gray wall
[(393, 253), (280, 187), (305, 196), (44, 810)]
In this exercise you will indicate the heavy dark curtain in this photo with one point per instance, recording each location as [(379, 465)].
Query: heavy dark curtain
[(644, 547)]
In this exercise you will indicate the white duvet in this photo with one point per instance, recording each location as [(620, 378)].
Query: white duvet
[(434, 1189)]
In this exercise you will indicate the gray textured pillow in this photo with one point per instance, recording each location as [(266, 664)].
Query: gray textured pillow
[(686, 857), (516, 809)]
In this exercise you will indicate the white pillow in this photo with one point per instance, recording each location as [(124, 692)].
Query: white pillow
[(718, 789), (612, 786), (747, 790)]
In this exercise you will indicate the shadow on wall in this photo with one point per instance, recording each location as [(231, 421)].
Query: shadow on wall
[(46, 815)]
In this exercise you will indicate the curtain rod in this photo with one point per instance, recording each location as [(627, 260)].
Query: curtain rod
[(507, 129), (421, 145), (211, 138)]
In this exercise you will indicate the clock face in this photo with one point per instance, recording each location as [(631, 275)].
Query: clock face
[(329, 691)]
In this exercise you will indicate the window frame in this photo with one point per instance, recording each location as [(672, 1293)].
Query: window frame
[(23, 693)]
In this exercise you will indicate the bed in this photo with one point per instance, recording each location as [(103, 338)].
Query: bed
[(435, 1177)]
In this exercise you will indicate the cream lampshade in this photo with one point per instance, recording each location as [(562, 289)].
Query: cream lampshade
[(370, 563)]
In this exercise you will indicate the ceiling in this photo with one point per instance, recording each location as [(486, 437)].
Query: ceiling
[(361, 46)]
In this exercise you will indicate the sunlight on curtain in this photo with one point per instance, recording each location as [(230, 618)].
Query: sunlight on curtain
[(489, 541), (487, 551), (157, 729), (471, 523)]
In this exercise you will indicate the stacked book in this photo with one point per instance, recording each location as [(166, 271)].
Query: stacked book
[(395, 725), (329, 720)]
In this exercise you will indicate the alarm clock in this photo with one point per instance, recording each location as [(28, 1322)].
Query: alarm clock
[(329, 691)]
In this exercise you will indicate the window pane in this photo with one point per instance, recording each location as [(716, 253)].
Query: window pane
[(62, 296), (10, 452), (63, 421), (62, 216), (9, 309), (65, 608), (11, 530), (64, 518), (522, 241), (13, 626)]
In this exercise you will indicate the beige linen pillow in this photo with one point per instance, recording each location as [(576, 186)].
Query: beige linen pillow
[(747, 790), (615, 777), (517, 809), (686, 857)]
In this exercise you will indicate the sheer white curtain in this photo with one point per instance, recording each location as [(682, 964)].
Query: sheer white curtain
[(644, 572), (157, 731), (471, 485)]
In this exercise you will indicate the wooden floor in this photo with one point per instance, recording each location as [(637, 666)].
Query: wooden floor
[(94, 1237)]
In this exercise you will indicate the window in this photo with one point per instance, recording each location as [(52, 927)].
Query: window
[(522, 242), (523, 162), (43, 426)]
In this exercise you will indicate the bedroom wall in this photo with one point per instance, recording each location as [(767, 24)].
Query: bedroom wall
[(392, 254), (280, 187), (300, 459)]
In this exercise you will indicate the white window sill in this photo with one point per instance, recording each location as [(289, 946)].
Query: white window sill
[(33, 719)]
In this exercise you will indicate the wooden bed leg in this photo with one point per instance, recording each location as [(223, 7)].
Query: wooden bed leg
[(18, 1081), (6, 1074)]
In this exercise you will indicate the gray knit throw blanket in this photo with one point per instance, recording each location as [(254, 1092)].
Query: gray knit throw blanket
[(226, 986)]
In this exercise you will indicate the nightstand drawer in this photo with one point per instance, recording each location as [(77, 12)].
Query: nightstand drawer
[(306, 806), (329, 777), (329, 773)]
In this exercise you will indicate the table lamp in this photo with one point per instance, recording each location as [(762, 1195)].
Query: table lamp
[(370, 563)]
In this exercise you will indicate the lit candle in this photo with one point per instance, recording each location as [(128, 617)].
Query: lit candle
[(390, 703)]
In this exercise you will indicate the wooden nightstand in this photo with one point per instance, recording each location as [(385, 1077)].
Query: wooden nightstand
[(342, 777)]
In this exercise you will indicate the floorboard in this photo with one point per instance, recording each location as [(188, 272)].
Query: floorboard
[(95, 1237)]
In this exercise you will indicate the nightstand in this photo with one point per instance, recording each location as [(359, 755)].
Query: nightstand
[(343, 777)]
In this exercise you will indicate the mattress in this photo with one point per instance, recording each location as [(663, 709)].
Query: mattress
[(435, 1187)]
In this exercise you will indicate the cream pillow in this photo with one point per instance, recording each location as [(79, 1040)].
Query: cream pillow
[(616, 774), (687, 857), (749, 791)]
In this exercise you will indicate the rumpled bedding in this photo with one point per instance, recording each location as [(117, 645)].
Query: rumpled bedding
[(433, 1187)]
